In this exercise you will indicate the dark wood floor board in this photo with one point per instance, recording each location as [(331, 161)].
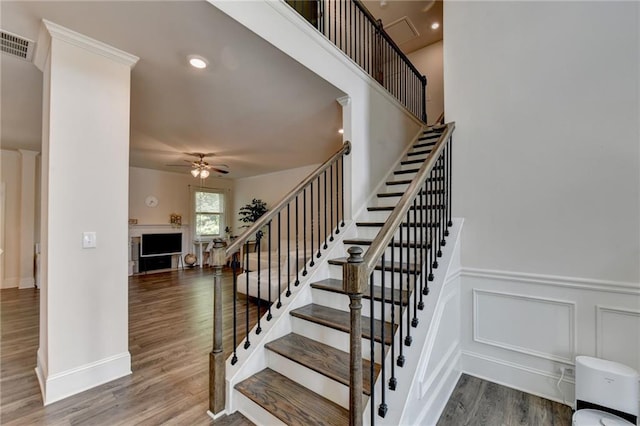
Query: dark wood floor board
[(170, 336), (477, 402), (290, 402)]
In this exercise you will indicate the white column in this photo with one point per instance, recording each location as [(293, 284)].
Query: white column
[(85, 166), (27, 216)]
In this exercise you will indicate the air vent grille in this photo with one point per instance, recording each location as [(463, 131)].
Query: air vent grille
[(17, 46)]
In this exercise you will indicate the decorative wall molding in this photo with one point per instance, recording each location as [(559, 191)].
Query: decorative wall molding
[(504, 344), (623, 334), (554, 280)]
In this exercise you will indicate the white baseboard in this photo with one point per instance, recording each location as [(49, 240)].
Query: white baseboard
[(516, 376), (27, 282), (10, 282), (62, 385)]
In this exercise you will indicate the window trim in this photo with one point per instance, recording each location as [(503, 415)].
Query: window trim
[(194, 213)]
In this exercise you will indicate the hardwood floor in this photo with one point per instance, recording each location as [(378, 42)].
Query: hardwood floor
[(479, 402), (170, 336)]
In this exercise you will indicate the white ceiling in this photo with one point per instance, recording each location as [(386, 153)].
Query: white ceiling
[(255, 107)]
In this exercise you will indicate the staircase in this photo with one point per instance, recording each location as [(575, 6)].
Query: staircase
[(307, 374)]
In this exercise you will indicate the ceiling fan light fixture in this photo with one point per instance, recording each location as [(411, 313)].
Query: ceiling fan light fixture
[(435, 26), (195, 172), (204, 174)]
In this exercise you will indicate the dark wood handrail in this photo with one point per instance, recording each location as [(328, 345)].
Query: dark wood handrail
[(271, 214)]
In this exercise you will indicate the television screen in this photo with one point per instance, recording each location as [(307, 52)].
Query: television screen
[(159, 244)]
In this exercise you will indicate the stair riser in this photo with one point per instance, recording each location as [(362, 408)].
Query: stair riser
[(335, 272), (253, 411), (370, 232), (396, 253), (341, 301), (318, 383), (332, 337), (396, 188)]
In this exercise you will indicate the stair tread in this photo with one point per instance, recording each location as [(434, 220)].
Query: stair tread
[(324, 359), (390, 208), (419, 153), (291, 402), (424, 144), (396, 266), (413, 161), (367, 242), (408, 181), (400, 194), (341, 320), (381, 224), (335, 286)]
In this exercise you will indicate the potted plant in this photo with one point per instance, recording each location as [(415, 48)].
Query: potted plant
[(251, 212)]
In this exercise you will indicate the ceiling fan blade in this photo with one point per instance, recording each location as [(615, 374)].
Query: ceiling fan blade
[(200, 154), (224, 172), (178, 165)]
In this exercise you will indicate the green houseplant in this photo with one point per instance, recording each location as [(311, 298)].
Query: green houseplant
[(251, 212)]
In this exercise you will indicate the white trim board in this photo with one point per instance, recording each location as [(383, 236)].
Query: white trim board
[(555, 280)]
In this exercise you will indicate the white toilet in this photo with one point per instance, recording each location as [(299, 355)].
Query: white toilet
[(606, 393)]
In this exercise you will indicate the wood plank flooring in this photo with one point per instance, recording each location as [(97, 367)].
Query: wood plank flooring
[(170, 336), (477, 402)]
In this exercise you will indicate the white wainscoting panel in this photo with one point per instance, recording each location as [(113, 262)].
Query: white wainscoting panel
[(618, 335), (531, 325)]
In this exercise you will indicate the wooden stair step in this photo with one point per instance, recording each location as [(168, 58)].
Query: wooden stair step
[(416, 161), (407, 171), (397, 244), (335, 286), (291, 402), (425, 145), (400, 194), (390, 208), (381, 224), (429, 135), (408, 181), (321, 358), (419, 153), (341, 321), (388, 266)]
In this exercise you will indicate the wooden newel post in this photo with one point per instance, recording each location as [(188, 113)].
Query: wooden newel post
[(217, 377), (354, 281)]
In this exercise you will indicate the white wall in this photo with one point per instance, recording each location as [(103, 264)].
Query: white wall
[(547, 176), (11, 257), (270, 188), (428, 61), (172, 191), (376, 124)]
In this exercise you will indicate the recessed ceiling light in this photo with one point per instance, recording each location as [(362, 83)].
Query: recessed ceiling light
[(435, 26), (197, 61), (341, 131)]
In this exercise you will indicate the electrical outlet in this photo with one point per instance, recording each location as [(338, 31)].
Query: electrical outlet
[(567, 371)]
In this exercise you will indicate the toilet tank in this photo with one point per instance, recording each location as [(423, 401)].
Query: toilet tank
[(608, 384)]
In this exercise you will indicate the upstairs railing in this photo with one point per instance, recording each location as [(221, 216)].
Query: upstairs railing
[(269, 259), (412, 236), (352, 28)]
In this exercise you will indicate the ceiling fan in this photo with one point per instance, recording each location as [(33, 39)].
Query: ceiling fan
[(201, 168)]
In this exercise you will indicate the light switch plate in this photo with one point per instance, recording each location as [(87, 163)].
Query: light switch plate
[(88, 240)]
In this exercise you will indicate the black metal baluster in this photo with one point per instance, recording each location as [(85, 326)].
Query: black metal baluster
[(430, 181), (312, 263), (247, 343), (269, 316), (304, 231), (408, 339), (436, 230), (400, 360), (297, 283), (259, 270), (441, 219), (234, 267), (279, 305), (421, 274), (450, 222), (445, 195), (414, 320), (337, 199), (324, 173), (288, 293), (393, 382), (382, 408), (319, 233), (331, 200), (372, 345), (342, 186), (425, 196)]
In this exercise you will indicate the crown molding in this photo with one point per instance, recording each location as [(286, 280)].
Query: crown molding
[(50, 30)]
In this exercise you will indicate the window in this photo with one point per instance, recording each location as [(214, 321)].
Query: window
[(209, 213)]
